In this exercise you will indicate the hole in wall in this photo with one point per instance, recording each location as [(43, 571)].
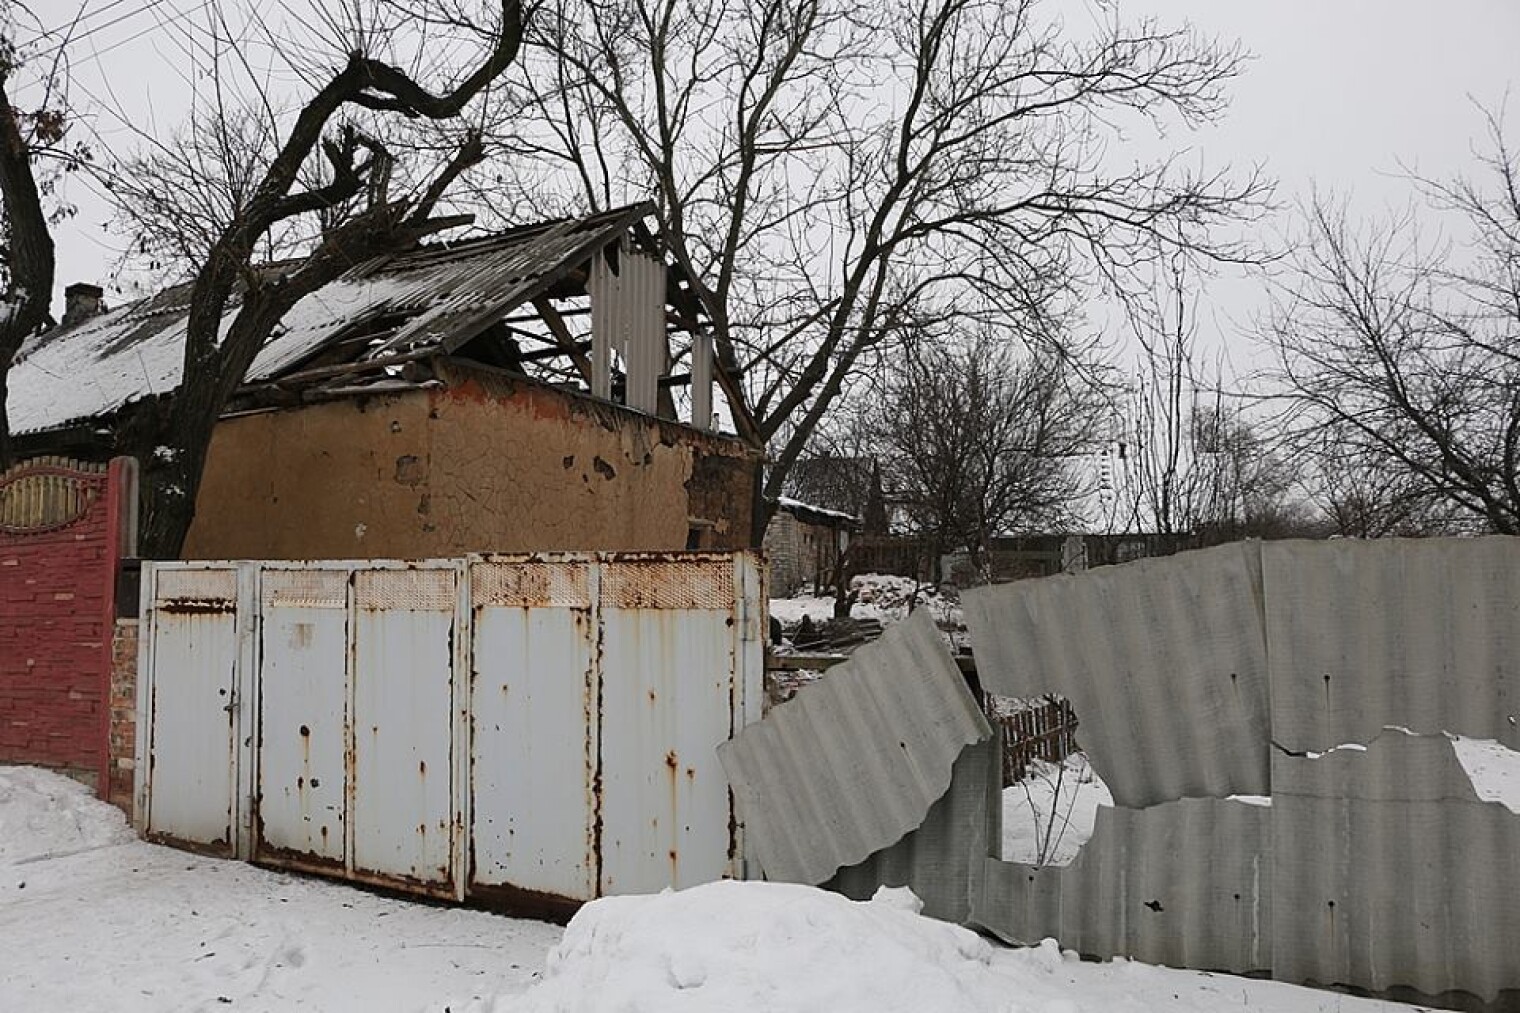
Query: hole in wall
[(1051, 794)]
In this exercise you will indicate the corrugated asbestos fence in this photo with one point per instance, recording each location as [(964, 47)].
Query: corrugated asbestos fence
[(531, 731), (1288, 730), (1338, 678)]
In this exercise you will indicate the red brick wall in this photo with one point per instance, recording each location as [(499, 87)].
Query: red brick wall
[(61, 537)]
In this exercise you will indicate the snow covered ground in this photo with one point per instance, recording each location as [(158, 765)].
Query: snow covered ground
[(91, 919), (1049, 815), (879, 596)]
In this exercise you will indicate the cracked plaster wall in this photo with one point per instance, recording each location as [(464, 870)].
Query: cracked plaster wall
[(480, 466)]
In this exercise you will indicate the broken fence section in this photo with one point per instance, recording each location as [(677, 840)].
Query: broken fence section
[(1279, 724), (852, 763)]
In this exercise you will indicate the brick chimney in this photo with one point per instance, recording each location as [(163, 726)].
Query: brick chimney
[(81, 301)]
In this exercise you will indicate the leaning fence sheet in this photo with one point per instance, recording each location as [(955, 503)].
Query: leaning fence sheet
[(940, 859), (854, 762)]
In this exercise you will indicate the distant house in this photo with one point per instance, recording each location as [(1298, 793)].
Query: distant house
[(547, 387), (803, 544)]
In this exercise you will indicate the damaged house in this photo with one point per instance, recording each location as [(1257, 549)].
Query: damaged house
[(547, 387)]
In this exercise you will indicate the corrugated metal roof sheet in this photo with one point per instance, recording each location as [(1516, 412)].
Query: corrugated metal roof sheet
[(452, 291), (1164, 661), (1423, 633), (1187, 884), (854, 762)]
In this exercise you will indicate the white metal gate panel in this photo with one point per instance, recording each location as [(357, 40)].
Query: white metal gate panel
[(303, 718), (534, 741), (536, 731), (666, 693), (401, 817), (191, 735)]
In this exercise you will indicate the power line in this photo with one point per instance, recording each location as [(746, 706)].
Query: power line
[(96, 29)]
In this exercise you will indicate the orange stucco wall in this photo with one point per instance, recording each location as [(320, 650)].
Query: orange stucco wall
[(485, 465)]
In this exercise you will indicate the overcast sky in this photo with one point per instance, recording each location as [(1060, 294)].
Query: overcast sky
[(1340, 93)]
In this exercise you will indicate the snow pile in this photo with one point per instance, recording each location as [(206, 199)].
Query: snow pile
[(879, 596), (765, 946), (1049, 815), (46, 815)]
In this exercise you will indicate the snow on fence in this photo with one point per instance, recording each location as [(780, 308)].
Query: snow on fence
[(531, 731)]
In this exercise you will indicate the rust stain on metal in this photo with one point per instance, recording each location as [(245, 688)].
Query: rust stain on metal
[(196, 606), (522, 903)]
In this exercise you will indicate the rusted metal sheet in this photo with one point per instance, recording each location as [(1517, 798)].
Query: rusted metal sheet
[(1186, 884), (304, 723), (573, 754), (534, 706), (854, 762), (1422, 633), (1164, 660), (191, 706), (402, 805), (668, 668)]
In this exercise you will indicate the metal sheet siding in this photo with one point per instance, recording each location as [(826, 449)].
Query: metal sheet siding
[(1423, 633), (401, 807), (303, 717), (1187, 884), (853, 763), (193, 720), (1164, 661), (534, 694), (666, 686), (573, 755)]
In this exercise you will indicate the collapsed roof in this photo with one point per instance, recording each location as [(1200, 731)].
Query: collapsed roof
[(586, 302)]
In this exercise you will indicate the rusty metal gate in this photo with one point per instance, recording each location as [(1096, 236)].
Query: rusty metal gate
[(534, 731)]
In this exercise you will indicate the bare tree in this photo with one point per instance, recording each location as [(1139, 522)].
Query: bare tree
[(1360, 497), (1194, 465), (1406, 356), (257, 181), (978, 440), (829, 174), (35, 150)]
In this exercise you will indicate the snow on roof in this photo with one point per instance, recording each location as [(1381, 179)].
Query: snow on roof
[(449, 292), (796, 506)]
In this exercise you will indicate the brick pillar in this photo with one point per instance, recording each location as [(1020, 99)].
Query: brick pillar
[(123, 734)]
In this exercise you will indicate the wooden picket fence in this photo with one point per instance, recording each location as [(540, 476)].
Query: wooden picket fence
[(1046, 731)]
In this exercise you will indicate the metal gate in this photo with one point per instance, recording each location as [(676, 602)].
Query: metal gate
[(535, 731)]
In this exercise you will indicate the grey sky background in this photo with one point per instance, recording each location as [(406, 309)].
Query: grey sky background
[(1341, 93)]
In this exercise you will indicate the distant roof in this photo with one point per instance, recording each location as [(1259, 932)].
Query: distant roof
[(448, 292), (816, 514)]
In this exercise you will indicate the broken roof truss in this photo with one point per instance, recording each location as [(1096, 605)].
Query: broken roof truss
[(589, 304)]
